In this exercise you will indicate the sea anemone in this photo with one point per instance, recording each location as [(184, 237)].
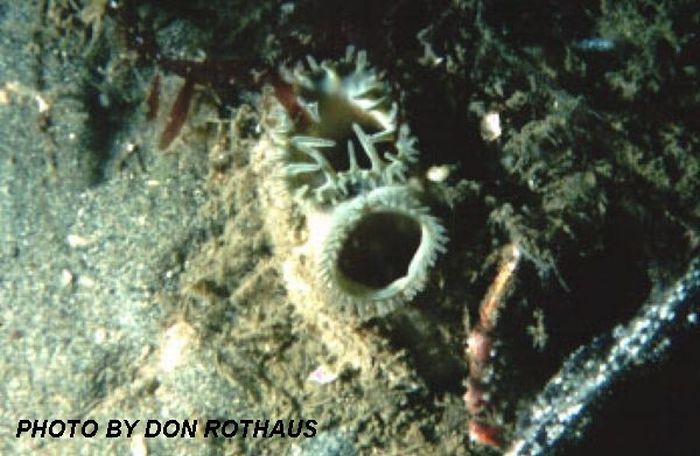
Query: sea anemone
[(375, 250), (336, 153), (348, 106)]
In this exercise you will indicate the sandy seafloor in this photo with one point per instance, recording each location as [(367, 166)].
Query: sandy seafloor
[(140, 281)]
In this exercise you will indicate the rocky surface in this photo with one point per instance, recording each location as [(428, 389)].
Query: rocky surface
[(138, 279)]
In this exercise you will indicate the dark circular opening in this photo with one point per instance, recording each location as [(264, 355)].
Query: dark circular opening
[(379, 249)]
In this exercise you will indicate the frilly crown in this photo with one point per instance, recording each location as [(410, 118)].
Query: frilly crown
[(352, 142)]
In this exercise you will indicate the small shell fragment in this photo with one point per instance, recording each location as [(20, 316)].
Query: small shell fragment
[(491, 126), (438, 173), (322, 375)]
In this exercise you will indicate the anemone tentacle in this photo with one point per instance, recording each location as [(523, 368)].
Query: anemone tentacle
[(349, 105)]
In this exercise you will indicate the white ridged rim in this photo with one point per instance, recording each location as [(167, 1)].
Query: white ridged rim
[(361, 300)]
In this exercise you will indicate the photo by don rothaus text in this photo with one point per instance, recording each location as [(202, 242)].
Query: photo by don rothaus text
[(151, 428)]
